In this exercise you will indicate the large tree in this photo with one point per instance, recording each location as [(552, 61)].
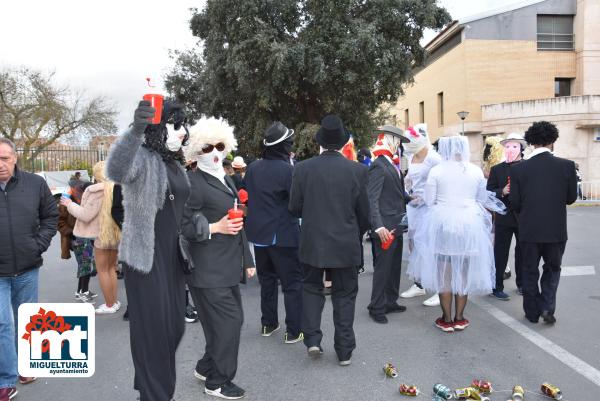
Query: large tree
[(35, 112), (296, 60)]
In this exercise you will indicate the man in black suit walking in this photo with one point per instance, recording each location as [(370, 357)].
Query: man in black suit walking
[(506, 225), (387, 204), (541, 188), (275, 233), (329, 193)]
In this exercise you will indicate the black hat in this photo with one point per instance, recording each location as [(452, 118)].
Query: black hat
[(277, 133), (332, 134)]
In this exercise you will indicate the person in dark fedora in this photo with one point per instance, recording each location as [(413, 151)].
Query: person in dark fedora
[(387, 201), (275, 233), (329, 193)]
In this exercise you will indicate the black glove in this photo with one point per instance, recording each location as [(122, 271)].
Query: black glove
[(142, 117)]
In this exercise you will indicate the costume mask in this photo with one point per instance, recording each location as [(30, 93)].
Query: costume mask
[(211, 162), (512, 150), (418, 139), (174, 138)]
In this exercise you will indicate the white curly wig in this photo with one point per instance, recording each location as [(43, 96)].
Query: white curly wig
[(209, 132)]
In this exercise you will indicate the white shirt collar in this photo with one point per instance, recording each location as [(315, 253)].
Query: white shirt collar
[(537, 151)]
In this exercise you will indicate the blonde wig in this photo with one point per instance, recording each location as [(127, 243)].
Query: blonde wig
[(496, 153), (109, 231), (209, 132)]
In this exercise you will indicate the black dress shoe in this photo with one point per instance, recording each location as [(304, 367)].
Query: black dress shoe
[(548, 317), (532, 319), (379, 318), (394, 308)]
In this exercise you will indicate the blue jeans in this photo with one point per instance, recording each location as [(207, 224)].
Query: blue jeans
[(14, 291)]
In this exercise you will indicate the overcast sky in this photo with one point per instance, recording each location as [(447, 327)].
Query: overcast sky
[(109, 47)]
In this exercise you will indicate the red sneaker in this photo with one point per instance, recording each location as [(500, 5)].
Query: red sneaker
[(443, 325), (461, 324), (7, 393)]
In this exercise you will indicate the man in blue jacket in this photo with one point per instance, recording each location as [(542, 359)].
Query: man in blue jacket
[(28, 221), (275, 232)]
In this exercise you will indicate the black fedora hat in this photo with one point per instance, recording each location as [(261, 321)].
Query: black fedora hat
[(332, 134), (395, 131), (277, 133)]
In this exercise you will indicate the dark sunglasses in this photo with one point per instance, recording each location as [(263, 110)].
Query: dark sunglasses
[(209, 148)]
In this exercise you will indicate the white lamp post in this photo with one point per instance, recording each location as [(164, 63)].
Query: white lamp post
[(463, 115)]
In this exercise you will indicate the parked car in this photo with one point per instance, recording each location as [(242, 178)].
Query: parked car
[(58, 181)]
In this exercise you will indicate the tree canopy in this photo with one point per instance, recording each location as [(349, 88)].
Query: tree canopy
[(35, 112), (296, 60)]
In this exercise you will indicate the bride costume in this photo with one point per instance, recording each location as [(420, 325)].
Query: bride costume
[(453, 250)]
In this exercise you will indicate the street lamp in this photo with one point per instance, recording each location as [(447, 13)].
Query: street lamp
[(463, 115)]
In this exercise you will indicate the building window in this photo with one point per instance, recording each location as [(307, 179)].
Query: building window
[(422, 112), (440, 98), (406, 122), (562, 87), (555, 32)]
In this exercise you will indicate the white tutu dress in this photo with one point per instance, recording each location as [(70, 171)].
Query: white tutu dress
[(453, 249), (415, 181)]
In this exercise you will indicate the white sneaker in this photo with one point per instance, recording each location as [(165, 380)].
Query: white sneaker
[(117, 305), (105, 310), (433, 301), (413, 291)]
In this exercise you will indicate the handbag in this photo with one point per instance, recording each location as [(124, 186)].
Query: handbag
[(182, 243)]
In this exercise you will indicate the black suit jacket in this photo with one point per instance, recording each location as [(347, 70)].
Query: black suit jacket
[(386, 195), (329, 193), (540, 190), (496, 182), (220, 260), (268, 183)]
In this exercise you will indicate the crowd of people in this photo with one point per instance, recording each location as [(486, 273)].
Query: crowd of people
[(294, 225)]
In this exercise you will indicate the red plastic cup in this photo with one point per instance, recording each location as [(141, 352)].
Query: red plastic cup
[(386, 245), (156, 101), (235, 214)]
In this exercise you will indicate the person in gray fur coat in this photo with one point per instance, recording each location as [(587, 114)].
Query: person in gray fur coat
[(147, 161)]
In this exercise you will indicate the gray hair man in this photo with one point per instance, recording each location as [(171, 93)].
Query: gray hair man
[(28, 220)]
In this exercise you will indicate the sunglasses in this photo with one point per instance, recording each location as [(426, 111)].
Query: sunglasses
[(209, 148)]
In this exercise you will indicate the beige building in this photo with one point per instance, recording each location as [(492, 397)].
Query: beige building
[(537, 60)]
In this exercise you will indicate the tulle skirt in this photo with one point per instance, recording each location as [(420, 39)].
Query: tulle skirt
[(453, 251)]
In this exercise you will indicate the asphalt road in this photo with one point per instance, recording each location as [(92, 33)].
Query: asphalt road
[(500, 345)]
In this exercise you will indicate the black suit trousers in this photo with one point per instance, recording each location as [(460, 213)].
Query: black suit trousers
[(156, 305), (280, 263), (535, 301), (343, 297), (502, 240), (221, 314), (386, 276)]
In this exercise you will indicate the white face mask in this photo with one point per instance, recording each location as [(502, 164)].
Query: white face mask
[(211, 162), (174, 138), (413, 147)]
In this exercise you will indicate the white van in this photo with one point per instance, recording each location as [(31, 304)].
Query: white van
[(58, 181)]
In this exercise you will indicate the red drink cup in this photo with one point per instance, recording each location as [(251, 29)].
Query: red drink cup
[(386, 245), (235, 214), (156, 101)]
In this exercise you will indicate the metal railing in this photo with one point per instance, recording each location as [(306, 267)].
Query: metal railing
[(588, 191), (58, 159)]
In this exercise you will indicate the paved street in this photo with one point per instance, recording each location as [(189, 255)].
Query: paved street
[(500, 346)]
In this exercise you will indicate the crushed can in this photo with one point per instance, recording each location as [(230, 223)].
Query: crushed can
[(518, 393), (468, 393), (483, 386), (390, 370), (551, 391), (409, 390), (442, 391)]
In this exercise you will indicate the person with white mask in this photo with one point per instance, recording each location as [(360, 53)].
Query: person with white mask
[(148, 163), (421, 158), (221, 254)]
